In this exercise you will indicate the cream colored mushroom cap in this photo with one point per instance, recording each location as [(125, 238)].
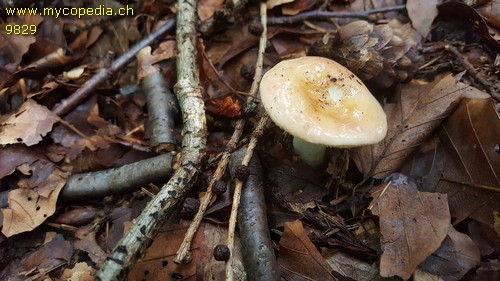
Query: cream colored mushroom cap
[(320, 101)]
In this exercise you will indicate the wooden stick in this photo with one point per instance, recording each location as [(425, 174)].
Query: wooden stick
[(189, 93), (183, 252), (323, 15), (259, 129)]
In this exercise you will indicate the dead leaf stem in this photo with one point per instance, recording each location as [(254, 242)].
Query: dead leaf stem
[(159, 209), (104, 74), (322, 14), (472, 72)]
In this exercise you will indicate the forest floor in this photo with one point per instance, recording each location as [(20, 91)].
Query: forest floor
[(135, 144)]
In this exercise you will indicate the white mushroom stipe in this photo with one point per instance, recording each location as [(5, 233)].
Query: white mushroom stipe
[(311, 153), (322, 103)]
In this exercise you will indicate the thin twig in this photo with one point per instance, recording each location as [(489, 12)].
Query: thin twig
[(472, 72), (160, 208), (253, 141), (183, 252), (104, 74), (259, 259), (322, 15), (257, 133)]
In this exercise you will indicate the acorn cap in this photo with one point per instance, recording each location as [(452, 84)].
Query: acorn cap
[(322, 102)]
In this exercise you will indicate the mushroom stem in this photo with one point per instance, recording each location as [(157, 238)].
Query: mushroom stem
[(311, 153)]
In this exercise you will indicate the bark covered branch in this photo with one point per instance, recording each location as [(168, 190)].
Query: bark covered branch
[(161, 102), (258, 253), (183, 252), (189, 94), (324, 15), (121, 180)]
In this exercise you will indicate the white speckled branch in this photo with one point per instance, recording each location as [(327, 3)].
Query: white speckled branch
[(189, 93)]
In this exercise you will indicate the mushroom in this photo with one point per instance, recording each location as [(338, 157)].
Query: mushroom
[(322, 104)]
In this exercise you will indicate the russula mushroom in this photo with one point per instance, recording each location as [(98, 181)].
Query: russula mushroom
[(321, 103)]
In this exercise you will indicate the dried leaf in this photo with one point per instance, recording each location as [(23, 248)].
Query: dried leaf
[(118, 218), (485, 238), (456, 256), (350, 267), (51, 31), (297, 6), (418, 111), (75, 142), (404, 38), (158, 260), (491, 11), (207, 8), (77, 217), (13, 47), (81, 272), (226, 107), (87, 243), (293, 189), (74, 73), (274, 3), (470, 138), (46, 177), (166, 49), (420, 275), (54, 251), (288, 47), (148, 62), (299, 259), (14, 156), (232, 42), (208, 237), (57, 58), (422, 14), (35, 199), (22, 127), (27, 210), (413, 225), (488, 270), (427, 164), (50, 37), (146, 66), (458, 10)]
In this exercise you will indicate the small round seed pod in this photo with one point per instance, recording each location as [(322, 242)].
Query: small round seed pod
[(242, 173), (219, 187), (190, 207), (221, 253), (247, 72), (256, 28)]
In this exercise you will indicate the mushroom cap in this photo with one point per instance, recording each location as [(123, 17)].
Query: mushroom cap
[(320, 101)]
